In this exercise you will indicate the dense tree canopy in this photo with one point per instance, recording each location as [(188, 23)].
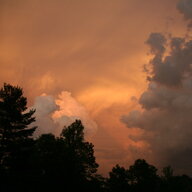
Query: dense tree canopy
[(118, 179), (68, 157), (143, 176), (65, 163), (81, 151)]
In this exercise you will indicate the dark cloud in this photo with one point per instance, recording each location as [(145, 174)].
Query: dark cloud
[(170, 70), (167, 103), (157, 42), (185, 7)]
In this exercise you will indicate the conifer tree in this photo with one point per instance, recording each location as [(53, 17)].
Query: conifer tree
[(81, 152), (14, 122)]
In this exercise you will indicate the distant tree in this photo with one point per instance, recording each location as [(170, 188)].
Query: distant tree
[(118, 180), (80, 153), (143, 176), (176, 183), (180, 183), (14, 122), (167, 173), (67, 160)]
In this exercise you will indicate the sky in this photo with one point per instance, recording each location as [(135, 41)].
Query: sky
[(121, 66)]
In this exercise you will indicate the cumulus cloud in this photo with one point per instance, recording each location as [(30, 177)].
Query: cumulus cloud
[(167, 102), (52, 114), (69, 110), (174, 68), (45, 106), (157, 42), (185, 7)]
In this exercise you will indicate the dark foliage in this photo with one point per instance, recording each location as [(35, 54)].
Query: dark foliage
[(67, 160), (142, 176), (65, 163), (15, 135), (118, 179)]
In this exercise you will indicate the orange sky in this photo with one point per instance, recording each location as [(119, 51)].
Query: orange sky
[(92, 48)]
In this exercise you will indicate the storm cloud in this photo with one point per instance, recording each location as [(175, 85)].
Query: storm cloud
[(185, 7), (167, 103), (95, 51)]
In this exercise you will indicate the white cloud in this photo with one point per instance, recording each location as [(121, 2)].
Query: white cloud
[(52, 114)]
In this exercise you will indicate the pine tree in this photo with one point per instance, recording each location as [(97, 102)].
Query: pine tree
[(80, 160), (68, 160), (82, 152), (14, 122)]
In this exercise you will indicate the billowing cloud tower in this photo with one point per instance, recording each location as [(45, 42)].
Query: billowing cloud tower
[(167, 103)]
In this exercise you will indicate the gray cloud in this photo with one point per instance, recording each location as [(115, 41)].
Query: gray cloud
[(157, 43), (167, 102), (52, 114), (45, 106), (170, 70), (185, 7)]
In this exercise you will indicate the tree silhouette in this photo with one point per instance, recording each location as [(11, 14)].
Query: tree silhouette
[(143, 176), (14, 122), (15, 135), (67, 162), (170, 182), (167, 173), (118, 179), (80, 159), (82, 152), (47, 163), (67, 159)]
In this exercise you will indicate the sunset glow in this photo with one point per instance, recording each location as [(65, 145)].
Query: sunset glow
[(88, 59)]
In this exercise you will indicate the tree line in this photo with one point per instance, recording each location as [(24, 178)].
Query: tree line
[(65, 163)]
